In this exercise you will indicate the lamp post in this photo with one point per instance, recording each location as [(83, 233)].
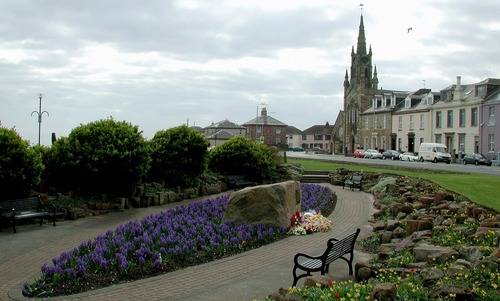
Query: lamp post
[(39, 114)]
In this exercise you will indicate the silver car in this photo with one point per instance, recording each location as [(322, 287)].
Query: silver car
[(373, 154)]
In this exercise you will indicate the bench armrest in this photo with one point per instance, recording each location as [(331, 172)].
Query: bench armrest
[(298, 255)]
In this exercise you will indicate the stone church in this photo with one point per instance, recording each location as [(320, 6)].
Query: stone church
[(359, 90)]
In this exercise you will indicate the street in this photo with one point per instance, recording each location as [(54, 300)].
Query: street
[(490, 170)]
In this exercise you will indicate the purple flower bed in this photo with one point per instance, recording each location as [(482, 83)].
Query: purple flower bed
[(318, 198), (173, 239)]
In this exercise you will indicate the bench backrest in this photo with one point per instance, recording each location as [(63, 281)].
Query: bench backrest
[(20, 205), (357, 178), (337, 248)]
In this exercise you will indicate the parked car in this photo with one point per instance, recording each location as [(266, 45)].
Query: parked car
[(435, 152), (477, 159), (373, 154), (391, 154), (295, 149), (408, 156), (359, 153)]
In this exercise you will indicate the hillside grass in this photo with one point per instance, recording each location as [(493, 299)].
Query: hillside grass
[(479, 188)]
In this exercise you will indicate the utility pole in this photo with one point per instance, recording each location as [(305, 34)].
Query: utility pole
[(39, 114)]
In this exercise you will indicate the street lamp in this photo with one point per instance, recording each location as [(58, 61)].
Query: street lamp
[(39, 113)]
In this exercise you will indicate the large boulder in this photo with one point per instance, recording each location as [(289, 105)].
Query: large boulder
[(426, 252), (271, 204)]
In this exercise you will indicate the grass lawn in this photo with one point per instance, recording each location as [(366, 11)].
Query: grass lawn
[(479, 188)]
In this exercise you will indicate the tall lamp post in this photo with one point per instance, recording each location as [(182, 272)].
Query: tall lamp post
[(39, 114)]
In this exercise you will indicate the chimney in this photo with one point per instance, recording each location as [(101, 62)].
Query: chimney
[(458, 94), (263, 113)]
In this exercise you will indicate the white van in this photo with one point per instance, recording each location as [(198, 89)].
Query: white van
[(435, 152)]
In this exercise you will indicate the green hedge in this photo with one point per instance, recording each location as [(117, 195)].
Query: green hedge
[(240, 156), (101, 157), (20, 165), (178, 156)]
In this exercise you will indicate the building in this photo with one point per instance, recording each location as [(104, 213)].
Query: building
[(359, 90), (293, 137), (455, 120), (218, 133), (376, 126), (411, 120), (338, 134), (318, 137), (266, 129), (489, 119)]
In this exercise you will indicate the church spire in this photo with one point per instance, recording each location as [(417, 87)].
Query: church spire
[(346, 79), (375, 78), (361, 38)]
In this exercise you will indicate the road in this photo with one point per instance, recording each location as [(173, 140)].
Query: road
[(489, 170)]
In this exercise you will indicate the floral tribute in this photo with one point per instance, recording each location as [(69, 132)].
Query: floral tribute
[(175, 238)]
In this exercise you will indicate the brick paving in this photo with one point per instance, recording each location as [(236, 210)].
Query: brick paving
[(252, 274)]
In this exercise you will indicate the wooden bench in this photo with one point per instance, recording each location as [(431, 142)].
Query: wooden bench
[(354, 181), (336, 249), (23, 209)]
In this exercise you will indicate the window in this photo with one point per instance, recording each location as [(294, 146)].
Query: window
[(318, 137), (328, 137), (387, 101), (491, 140), (375, 122), (378, 102), (449, 118), (366, 122), (461, 142), (473, 117), (407, 103), (438, 119), (438, 138), (491, 114), (385, 121), (461, 118), (383, 143), (411, 122), (259, 129), (421, 140), (304, 137), (278, 130), (421, 121), (366, 142), (400, 123), (399, 143)]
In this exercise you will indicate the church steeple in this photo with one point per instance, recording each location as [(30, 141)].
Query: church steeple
[(361, 50), (346, 80), (375, 78)]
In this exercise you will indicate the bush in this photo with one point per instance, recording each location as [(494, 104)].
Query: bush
[(20, 166), (240, 156), (179, 156), (102, 157)]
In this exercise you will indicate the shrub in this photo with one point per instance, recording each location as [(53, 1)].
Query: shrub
[(240, 156), (20, 165), (102, 157), (179, 156)]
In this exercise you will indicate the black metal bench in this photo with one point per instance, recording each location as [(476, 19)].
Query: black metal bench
[(354, 181), (336, 249), (24, 209), (239, 181)]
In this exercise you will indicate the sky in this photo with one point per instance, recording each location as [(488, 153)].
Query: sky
[(159, 64)]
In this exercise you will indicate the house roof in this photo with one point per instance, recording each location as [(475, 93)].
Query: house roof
[(264, 120), (197, 128), (224, 124), (319, 129), (293, 130), (220, 135)]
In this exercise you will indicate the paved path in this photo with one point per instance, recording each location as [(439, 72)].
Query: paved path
[(482, 169), (246, 276)]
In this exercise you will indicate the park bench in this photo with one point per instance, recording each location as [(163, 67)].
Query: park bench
[(336, 249), (12, 211), (239, 181), (354, 181)]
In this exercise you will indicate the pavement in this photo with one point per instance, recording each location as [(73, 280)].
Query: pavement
[(481, 169), (247, 276)]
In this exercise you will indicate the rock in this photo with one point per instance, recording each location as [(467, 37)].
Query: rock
[(471, 253), (426, 252), (488, 265), (271, 204), (318, 281), (482, 231), (385, 237), (382, 184), (493, 222), (399, 232), (460, 293), (417, 265), (387, 248), (383, 292), (455, 269), (495, 253), (464, 263), (447, 222), (417, 225), (364, 273), (438, 220), (426, 200), (431, 275), (392, 224), (284, 295), (380, 225), (439, 196)]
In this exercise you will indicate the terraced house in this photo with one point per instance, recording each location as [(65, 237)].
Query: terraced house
[(318, 137)]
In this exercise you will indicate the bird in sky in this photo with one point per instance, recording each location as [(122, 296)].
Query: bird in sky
[(409, 29)]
